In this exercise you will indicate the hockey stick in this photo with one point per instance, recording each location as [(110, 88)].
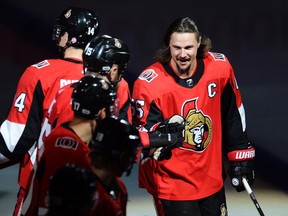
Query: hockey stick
[(252, 196)]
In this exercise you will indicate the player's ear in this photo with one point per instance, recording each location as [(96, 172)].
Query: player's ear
[(102, 113), (64, 39)]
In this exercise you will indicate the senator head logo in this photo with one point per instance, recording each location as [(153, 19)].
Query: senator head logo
[(198, 130)]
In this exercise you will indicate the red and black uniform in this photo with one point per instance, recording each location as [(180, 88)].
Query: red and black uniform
[(61, 110), (35, 91), (210, 102), (110, 200), (62, 146), (123, 101)]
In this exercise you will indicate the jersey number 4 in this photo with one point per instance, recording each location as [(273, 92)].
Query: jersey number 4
[(19, 102)]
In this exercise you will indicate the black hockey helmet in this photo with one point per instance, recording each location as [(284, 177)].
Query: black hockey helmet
[(72, 190), (114, 136), (92, 94), (102, 52), (80, 24)]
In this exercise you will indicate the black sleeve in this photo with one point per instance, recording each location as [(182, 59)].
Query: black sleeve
[(234, 138)]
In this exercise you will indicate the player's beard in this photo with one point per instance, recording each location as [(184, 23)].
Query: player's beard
[(184, 70)]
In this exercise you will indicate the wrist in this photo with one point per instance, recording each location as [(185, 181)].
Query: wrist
[(242, 155)]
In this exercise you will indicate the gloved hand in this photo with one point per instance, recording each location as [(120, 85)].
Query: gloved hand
[(241, 165), (174, 125), (238, 170), (170, 135), (162, 153)]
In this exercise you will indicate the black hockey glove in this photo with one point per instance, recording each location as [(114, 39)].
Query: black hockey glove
[(168, 135), (238, 170), (241, 165)]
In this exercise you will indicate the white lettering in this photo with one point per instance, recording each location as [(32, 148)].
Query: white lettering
[(245, 154), (64, 82), (211, 92)]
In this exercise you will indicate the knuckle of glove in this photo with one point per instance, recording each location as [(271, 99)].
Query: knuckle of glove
[(238, 170), (166, 127), (236, 178), (237, 183), (163, 126), (172, 125), (177, 139)]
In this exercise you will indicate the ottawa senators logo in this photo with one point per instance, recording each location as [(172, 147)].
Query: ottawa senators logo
[(198, 129), (67, 142), (148, 75), (68, 14)]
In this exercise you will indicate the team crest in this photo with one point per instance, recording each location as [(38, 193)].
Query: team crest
[(148, 75), (67, 142), (198, 128), (217, 56), (117, 43), (68, 14)]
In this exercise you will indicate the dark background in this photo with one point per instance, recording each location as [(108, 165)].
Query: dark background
[(252, 34)]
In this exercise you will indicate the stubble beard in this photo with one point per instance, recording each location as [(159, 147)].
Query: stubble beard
[(184, 70)]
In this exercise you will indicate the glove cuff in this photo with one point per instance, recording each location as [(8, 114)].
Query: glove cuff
[(242, 155), (158, 139)]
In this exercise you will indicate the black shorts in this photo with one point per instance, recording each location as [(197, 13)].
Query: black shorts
[(214, 205)]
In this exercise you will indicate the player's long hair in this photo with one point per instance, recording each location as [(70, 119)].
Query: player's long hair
[(183, 25)]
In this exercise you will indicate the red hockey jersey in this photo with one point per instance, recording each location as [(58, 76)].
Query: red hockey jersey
[(110, 200), (210, 103), (61, 146), (35, 91), (62, 111)]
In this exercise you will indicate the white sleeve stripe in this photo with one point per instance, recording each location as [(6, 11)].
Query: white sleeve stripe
[(11, 133), (242, 115)]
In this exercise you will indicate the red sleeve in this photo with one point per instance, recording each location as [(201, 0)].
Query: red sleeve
[(124, 101), (25, 116), (62, 111), (62, 146)]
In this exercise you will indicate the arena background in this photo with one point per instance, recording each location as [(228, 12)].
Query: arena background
[(252, 34)]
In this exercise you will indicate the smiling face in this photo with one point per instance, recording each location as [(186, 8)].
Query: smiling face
[(183, 48)]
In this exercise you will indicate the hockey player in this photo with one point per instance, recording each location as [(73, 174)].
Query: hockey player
[(113, 148), (72, 191), (191, 81), (107, 58), (37, 87), (92, 100)]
